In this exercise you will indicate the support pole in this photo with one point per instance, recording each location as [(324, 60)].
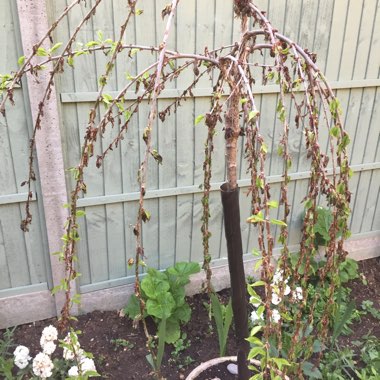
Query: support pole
[(231, 211)]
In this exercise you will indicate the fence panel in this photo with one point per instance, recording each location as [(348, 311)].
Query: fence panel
[(345, 36)]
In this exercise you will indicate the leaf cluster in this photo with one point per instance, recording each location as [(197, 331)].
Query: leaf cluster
[(164, 296)]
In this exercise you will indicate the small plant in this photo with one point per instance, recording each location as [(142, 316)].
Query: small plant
[(367, 306), (118, 343), (164, 297), (179, 346), (6, 361), (76, 363), (223, 318)]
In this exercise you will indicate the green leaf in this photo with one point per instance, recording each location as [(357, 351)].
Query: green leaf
[(258, 283), (253, 114), (173, 331), (155, 283), (278, 222), (161, 307), (182, 313), (132, 310), (134, 52), (99, 33), (70, 60), (272, 204), (334, 132), (322, 227), (255, 351), (80, 213), (255, 330), (280, 362), (184, 268), (311, 371), (92, 43), (41, 52), (256, 252), (256, 218), (258, 264), (21, 60), (55, 47), (198, 119)]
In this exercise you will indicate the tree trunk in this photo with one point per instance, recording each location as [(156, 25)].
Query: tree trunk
[(231, 211)]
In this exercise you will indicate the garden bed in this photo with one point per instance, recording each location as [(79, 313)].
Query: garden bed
[(119, 349)]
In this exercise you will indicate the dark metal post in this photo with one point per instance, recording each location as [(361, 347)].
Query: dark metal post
[(231, 211)]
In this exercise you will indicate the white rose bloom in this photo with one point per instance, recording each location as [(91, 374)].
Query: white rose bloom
[(50, 333), (275, 299), (73, 371), (255, 317), (42, 365), (21, 351), (49, 348), (87, 364), (298, 294), (21, 362), (276, 316), (22, 357)]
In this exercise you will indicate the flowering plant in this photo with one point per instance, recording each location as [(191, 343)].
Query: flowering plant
[(76, 363)]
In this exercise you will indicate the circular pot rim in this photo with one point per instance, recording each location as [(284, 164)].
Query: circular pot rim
[(203, 366)]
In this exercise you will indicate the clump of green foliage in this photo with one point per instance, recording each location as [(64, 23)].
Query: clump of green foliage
[(164, 296)]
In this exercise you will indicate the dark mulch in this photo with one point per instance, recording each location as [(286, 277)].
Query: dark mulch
[(100, 328)]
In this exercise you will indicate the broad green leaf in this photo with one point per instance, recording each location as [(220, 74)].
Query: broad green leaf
[(173, 331), (184, 268), (154, 285), (161, 307), (182, 313), (311, 371), (132, 310)]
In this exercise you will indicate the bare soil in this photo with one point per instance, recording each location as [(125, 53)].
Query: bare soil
[(100, 329)]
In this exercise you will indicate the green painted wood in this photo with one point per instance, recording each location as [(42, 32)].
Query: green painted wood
[(22, 255)]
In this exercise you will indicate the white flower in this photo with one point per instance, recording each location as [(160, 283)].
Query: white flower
[(73, 371), (49, 348), (21, 351), (279, 277), (276, 316), (21, 363), (42, 365), (255, 317), (49, 334), (287, 290), (70, 352), (22, 357), (298, 294), (275, 299), (87, 364)]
